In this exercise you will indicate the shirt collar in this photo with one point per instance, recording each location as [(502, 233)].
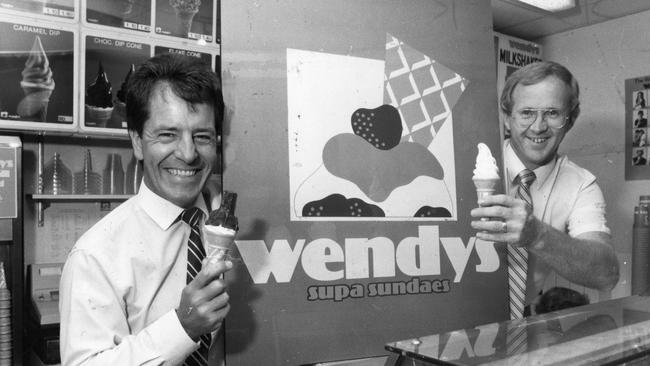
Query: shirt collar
[(161, 211), (514, 166)]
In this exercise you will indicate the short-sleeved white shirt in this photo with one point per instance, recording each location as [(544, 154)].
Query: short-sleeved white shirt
[(565, 196)]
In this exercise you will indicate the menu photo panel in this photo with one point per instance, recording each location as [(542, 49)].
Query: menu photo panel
[(55, 9), (108, 63), (126, 14), (192, 19), (38, 72)]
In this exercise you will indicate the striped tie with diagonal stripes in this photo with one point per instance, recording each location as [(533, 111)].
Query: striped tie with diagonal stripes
[(518, 256), (195, 254), (517, 338)]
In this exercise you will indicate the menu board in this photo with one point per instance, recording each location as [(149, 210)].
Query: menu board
[(76, 43), (37, 67), (637, 108), (108, 64)]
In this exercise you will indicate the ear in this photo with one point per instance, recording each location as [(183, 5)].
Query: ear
[(506, 121), (136, 142)]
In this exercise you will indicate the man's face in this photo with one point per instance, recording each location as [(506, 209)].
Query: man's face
[(537, 144), (178, 146)]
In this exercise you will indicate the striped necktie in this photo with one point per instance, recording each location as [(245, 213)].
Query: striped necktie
[(195, 254), (517, 256)]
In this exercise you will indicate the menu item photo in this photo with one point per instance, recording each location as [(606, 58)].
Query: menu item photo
[(54, 8), (128, 14), (109, 62), (185, 18), (37, 70)]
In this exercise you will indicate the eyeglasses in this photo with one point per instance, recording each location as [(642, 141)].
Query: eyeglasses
[(554, 118)]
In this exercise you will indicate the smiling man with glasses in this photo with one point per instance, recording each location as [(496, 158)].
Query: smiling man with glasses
[(557, 221)]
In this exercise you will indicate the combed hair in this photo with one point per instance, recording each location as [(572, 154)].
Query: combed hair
[(189, 78), (534, 73)]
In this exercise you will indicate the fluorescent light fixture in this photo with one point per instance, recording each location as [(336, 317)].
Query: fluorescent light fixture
[(551, 5)]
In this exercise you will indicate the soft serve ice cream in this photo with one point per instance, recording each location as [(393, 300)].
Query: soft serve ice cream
[(486, 172), (37, 84)]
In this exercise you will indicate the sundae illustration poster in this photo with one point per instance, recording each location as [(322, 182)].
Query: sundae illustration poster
[(37, 72), (637, 142), (107, 67), (381, 149), (128, 14), (191, 19), (54, 8), (205, 57)]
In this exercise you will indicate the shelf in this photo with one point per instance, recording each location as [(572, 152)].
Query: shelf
[(80, 197)]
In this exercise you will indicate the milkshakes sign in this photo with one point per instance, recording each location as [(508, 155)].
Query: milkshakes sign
[(373, 242)]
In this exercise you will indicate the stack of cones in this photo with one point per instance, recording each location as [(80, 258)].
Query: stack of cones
[(57, 178), (5, 320), (86, 181)]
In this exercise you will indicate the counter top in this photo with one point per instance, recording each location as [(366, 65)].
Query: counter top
[(606, 332)]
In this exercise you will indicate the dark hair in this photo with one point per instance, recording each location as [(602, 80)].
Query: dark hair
[(188, 77), (534, 73)]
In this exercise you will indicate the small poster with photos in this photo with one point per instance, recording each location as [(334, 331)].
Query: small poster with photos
[(205, 57), (637, 108), (125, 14), (109, 62), (191, 19), (37, 67), (54, 8)]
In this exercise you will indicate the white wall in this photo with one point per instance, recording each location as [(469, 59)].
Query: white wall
[(601, 57)]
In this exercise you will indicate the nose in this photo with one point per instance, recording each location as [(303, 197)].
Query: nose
[(540, 117), (186, 149)]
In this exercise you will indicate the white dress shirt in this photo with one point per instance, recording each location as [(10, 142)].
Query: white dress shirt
[(121, 284), (565, 196)]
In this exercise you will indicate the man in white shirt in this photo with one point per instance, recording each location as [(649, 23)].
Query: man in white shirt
[(126, 294), (565, 230)]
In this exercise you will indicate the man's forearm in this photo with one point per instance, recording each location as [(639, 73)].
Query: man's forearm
[(588, 259)]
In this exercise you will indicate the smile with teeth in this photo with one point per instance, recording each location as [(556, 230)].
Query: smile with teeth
[(538, 140), (183, 172)]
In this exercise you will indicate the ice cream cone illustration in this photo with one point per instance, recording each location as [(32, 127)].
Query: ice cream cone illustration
[(486, 173), (37, 84), (118, 117), (185, 11), (99, 100)]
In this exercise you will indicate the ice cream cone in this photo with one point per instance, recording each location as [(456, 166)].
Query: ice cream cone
[(184, 24), (218, 241), (118, 116), (33, 106), (97, 116), (485, 187)]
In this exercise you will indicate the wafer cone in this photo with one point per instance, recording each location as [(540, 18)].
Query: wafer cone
[(485, 187), (34, 105)]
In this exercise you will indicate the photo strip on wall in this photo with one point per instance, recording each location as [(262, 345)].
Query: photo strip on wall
[(636, 126)]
